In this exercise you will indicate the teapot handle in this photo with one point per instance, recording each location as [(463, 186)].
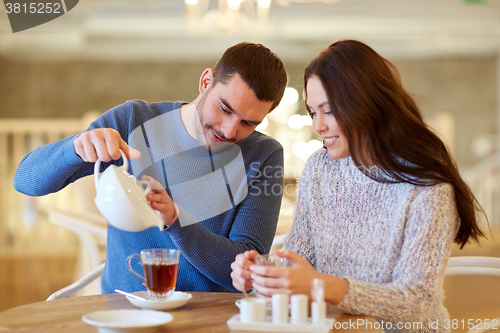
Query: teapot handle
[(97, 168), (146, 183)]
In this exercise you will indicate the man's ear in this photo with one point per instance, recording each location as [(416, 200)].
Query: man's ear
[(206, 79)]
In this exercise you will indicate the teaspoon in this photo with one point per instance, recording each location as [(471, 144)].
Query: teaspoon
[(130, 295)]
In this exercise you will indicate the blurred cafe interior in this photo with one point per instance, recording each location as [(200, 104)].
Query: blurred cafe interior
[(57, 77)]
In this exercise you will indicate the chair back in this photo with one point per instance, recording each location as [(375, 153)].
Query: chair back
[(476, 265)]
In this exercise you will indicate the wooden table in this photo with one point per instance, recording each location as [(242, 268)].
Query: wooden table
[(205, 312)]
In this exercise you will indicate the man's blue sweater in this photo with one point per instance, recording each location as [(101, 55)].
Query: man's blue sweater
[(212, 237)]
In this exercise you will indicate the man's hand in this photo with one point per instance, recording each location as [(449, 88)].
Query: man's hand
[(102, 143), (161, 201), (240, 270)]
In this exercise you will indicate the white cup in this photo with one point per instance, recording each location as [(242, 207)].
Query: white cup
[(280, 308), (252, 310), (318, 312), (299, 309)]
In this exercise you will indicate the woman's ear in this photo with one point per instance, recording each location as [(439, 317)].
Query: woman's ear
[(206, 79)]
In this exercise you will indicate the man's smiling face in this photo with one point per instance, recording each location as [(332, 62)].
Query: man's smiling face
[(229, 112)]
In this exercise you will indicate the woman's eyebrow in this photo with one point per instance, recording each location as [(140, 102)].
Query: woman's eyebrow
[(319, 106)]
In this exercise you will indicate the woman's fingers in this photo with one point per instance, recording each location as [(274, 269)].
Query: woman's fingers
[(271, 271), (268, 292), (268, 282), (289, 254)]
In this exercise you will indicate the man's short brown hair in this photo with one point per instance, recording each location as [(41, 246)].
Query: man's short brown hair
[(262, 70)]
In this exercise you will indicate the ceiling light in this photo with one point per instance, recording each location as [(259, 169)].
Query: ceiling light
[(313, 145), (263, 125), (228, 16), (298, 122), (264, 3), (231, 15), (234, 4), (295, 122), (299, 148), (291, 96)]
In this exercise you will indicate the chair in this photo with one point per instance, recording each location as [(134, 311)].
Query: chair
[(97, 272), (79, 284), (278, 243), (475, 265), (91, 231)]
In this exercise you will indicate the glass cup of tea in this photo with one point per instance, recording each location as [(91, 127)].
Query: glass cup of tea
[(160, 270), (273, 260)]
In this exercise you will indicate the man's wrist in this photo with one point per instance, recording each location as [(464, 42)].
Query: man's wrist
[(173, 219)]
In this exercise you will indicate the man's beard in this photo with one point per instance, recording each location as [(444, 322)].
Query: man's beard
[(203, 130), (198, 120)]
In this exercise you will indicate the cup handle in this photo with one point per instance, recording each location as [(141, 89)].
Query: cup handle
[(147, 184), (131, 270), (97, 168)]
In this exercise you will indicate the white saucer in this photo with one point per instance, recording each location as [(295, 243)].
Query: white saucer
[(111, 321), (174, 301)]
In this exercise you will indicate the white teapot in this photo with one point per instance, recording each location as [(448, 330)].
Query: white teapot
[(121, 198)]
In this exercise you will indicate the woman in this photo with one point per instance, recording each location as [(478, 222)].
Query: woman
[(379, 207)]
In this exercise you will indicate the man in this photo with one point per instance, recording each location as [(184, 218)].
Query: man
[(212, 174)]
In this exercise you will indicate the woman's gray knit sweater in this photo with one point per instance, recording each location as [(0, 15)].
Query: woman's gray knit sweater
[(391, 241)]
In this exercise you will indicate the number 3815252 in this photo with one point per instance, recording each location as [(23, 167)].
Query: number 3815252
[(33, 8)]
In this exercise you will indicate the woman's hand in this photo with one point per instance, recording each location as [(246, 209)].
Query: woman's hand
[(240, 270), (161, 201), (269, 280)]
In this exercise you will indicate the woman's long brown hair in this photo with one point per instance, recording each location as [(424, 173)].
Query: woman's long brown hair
[(384, 126)]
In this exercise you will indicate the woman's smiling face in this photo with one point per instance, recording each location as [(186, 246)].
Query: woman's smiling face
[(324, 121)]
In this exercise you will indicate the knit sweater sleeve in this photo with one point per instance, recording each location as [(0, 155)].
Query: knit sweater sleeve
[(418, 275), (298, 238), (253, 226), (52, 167)]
